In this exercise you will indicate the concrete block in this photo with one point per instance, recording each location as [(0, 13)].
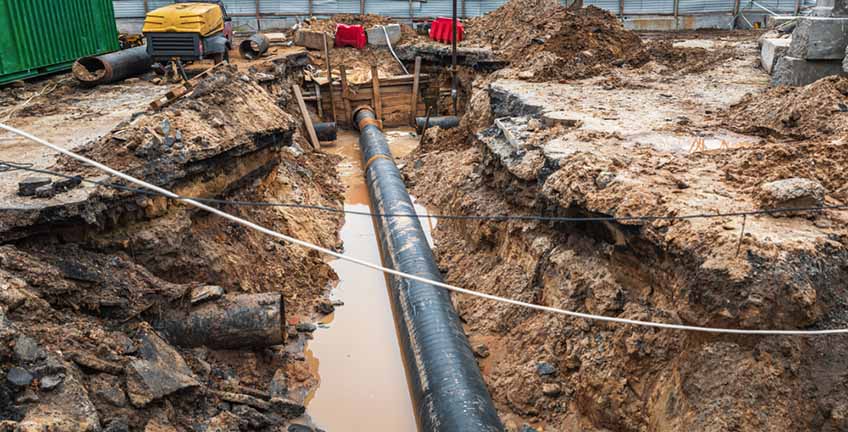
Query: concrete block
[(830, 8), (773, 21), (817, 38), (377, 37), (312, 39), (773, 49), (793, 71)]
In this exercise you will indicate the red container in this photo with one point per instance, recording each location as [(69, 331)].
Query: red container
[(350, 35), (441, 30)]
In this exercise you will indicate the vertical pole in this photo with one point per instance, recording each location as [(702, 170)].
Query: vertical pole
[(464, 14), (375, 93), (797, 7), (311, 8), (621, 9), (413, 111), (346, 94), (258, 23), (361, 10), (146, 7), (677, 14), (453, 60), (330, 75)]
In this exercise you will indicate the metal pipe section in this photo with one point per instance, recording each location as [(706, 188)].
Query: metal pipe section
[(254, 46), (448, 391), (444, 122), (112, 67), (325, 131)]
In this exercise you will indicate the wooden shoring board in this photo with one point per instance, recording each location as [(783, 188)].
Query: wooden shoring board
[(307, 119)]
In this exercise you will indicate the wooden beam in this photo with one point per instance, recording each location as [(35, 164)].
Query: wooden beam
[(307, 119), (375, 90), (329, 74), (320, 101), (413, 108), (346, 94)]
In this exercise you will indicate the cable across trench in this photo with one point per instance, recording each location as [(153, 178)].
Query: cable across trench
[(378, 267)]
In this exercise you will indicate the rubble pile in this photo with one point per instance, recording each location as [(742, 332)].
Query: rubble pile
[(816, 111)]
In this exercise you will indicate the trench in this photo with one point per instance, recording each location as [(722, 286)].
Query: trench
[(355, 352)]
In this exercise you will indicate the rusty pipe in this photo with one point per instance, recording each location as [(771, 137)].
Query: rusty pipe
[(113, 67)]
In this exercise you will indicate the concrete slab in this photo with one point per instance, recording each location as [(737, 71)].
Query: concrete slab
[(793, 71), (773, 49), (817, 38), (377, 37), (311, 39)]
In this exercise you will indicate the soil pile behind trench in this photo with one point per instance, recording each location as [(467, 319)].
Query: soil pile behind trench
[(81, 279)]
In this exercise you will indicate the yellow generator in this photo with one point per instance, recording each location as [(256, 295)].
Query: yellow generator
[(188, 31)]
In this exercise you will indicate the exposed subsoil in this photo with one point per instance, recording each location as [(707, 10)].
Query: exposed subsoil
[(88, 273), (586, 148)]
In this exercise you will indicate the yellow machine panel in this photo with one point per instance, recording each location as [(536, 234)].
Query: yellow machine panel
[(201, 18)]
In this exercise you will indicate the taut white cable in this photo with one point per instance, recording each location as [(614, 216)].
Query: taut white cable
[(449, 287)]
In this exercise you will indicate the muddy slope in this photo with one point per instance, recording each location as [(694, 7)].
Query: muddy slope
[(782, 270), (86, 274)]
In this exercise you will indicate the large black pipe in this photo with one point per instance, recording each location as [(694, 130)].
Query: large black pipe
[(112, 67), (444, 122), (447, 387), (254, 46)]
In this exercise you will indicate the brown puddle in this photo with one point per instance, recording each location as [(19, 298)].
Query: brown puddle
[(362, 382)]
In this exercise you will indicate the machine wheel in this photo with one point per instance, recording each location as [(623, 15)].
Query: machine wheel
[(221, 57)]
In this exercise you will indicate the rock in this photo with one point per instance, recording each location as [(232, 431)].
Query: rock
[(108, 389), (159, 425), (66, 184), (29, 396), (300, 428), (45, 191), (526, 74), (204, 293), (29, 185), (551, 390), (377, 37), (773, 50), (480, 350), (164, 128), (534, 124), (604, 179), (527, 428), (67, 409), (118, 425), (819, 38), (19, 377), (160, 371), (792, 71), (50, 382), (223, 422), (792, 193), (287, 408), (52, 366), (89, 361), (278, 388), (253, 418), (306, 327), (337, 303), (27, 349), (545, 369), (325, 307), (12, 293)]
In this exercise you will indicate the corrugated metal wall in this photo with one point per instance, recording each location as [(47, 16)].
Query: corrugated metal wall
[(431, 8)]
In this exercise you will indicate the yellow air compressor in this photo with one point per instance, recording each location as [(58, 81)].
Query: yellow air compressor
[(189, 31)]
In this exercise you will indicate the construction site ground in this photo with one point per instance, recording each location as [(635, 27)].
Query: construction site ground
[(585, 120)]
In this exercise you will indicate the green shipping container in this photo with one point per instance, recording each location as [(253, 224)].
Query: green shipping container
[(42, 36)]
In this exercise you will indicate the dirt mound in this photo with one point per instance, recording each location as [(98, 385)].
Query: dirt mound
[(819, 110), (548, 42), (687, 60), (369, 20)]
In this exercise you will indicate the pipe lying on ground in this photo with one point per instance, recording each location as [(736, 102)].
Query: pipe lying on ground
[(444, 122), (112, 67), (254, 46), (447, 387), (234, 321), (325, 131)]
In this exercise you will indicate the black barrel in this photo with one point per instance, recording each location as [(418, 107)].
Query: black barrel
[(447, 387), (112, 67)]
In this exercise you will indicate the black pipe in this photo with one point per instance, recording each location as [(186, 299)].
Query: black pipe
[(112, 67), (325, 131), (444, 122), (254, 46), (448, 391)]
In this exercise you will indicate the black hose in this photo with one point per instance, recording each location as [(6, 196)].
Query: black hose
[(112, 67), (447, 387)]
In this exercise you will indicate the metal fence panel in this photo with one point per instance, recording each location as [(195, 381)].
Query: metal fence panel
[(701, 6), (610, 5), (648, 7)]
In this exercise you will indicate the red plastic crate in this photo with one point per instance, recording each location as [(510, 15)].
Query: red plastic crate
[(350, 35), (441, 30)]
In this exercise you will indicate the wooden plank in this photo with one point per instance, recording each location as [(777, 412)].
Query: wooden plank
[(415, 84), (306, 118), (346, 93), (329, 74), (375, 90), (319, 101)]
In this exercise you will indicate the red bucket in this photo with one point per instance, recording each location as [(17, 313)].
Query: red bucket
[(441, 30), (350, 35)]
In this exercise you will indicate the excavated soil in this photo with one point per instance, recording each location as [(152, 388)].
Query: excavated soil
[(578, 149), (86, 274), (816, 111)]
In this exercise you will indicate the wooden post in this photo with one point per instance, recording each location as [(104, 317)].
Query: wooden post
[(346, 94), (311, 7), (330, 75), (375, 92), (677, 14), (306, 118), (361, 8), (621, 8), (146, 7), (413, 111), (258, 17), (320, 103)]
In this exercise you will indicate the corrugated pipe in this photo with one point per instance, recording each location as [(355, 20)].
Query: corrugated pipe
[(112, 67), (447, 387), (444, 122), (254, 46)]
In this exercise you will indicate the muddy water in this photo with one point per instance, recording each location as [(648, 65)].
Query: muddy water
[(355, 353)]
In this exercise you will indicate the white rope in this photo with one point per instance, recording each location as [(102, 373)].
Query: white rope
[(449, 287)]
